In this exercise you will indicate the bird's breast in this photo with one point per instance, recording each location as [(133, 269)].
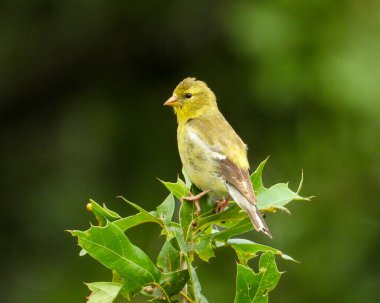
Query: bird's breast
[(200, 160)]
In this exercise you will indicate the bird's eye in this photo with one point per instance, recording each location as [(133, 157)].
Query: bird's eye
[(188, 96)]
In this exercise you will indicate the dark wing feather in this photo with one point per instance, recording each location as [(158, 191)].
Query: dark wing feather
[(239, 178)]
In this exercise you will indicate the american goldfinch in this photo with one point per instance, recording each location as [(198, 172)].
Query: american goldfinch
[(213, 155)]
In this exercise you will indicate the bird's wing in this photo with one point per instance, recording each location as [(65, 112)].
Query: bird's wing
[(239, 178), (229, 151), (218, 134), (240, 188)]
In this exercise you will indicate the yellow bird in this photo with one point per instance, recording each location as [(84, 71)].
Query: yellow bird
[(213, 155)]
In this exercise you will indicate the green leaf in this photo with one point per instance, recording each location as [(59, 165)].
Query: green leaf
[(179, 238), (254, 287), (232, 213), (116, 278), (169, 258), (239, 228), (134, 220), (195, 287), (187, 210), (276, 197), (173, 282), (186, 217), (187, 213), (247, 250), (170, 284), (113, 249), (161, 216), (103, 292), (165, 210), (256, 177), (204, 248), (103, 214), (178, 189), (150, 216)]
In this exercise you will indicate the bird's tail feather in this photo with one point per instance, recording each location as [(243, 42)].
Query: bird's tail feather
[(252, 211)]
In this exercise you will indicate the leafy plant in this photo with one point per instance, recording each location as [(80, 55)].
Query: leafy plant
[(173, 277)]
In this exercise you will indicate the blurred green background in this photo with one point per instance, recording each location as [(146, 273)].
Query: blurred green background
[(82, 85)]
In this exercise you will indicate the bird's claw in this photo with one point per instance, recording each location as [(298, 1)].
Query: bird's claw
[(222, 204), (195, 199)]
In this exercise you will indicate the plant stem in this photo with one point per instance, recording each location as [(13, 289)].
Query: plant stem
[(184, 290), (186, 297), (163, 291)]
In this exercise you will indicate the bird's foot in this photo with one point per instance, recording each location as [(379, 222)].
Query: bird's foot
[(195, 199), (222, 204)]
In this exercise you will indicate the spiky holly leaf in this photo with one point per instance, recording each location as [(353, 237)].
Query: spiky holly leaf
[(275, 197), (103, 292), (169, 258), (110, 246), (178, 189), (102, 214), (195, 286), (247, 250), (165, 210), (254, 287)]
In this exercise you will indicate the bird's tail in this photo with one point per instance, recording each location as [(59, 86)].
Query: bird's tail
[(252, 211)]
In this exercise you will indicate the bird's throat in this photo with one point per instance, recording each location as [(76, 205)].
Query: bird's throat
[(184, 113)]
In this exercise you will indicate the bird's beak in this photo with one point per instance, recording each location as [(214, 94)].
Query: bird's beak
[(172, 101)]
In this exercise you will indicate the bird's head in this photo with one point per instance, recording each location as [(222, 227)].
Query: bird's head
[(191, 99)]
